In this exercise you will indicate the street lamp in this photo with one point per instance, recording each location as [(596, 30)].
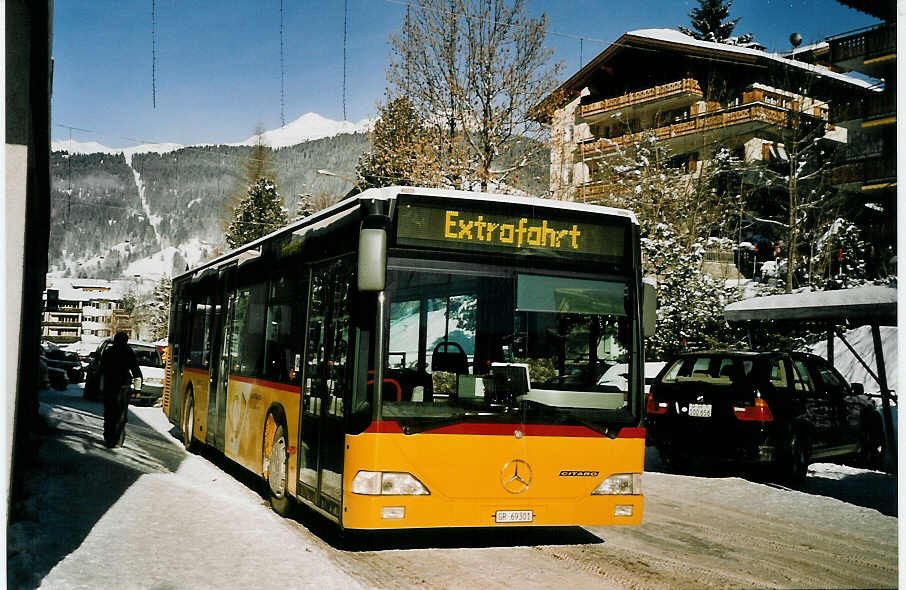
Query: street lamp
[(355, 183)]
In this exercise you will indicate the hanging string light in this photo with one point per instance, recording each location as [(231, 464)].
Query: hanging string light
[(154, 53), (408, 50), (282, 73), (345, 2)]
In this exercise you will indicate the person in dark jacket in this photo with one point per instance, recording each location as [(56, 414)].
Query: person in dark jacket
[(118, 368)]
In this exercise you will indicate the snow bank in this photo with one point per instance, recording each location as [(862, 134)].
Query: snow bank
[(193, 253), (861, 340)]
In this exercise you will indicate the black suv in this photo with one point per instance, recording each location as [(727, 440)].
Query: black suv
[(780, 409)]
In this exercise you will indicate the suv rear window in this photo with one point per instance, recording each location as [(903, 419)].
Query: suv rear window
[(706, 369), (147, 356)]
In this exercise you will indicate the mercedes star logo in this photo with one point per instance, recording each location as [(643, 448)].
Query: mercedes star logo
[(516, 476)]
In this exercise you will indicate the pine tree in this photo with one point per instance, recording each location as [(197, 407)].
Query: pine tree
[(690, 304), (260, 213), (708, 21), (153, 312), (305, 205), (159, 309), (839, 259), (400, 152)]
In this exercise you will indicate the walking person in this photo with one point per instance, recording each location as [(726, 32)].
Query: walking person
[(118, 368)]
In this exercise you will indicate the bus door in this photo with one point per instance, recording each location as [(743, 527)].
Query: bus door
[(220, 372), (326, 387)]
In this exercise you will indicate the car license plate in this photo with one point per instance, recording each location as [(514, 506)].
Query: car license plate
[(513, 516), (700, 410)]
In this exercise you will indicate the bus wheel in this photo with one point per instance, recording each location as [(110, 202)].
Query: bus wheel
[(188, 422), (275, 468)]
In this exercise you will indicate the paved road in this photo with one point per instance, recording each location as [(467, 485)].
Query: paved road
[(151, 516)]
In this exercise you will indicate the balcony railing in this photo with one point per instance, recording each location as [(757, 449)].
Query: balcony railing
[(686, 86), (866, 171), (58, 324), (875, 42), (750, 113), (872, 108), (594, 191)]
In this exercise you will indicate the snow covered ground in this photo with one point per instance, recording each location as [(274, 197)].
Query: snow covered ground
[(150, 515)]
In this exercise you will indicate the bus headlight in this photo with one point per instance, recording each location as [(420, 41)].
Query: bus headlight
[(620, 484), (387, 483)]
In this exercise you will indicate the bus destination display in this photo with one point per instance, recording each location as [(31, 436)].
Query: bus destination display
[(469, 229)]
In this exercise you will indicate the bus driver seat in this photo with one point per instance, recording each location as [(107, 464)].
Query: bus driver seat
[(451, 361)]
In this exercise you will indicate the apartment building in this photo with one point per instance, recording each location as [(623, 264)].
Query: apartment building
[(868, 172), (695, 96), (74, 308)]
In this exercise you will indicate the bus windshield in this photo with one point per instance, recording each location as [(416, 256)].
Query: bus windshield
[(483, 345)]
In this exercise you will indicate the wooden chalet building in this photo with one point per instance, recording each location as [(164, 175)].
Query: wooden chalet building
[(695, 96)]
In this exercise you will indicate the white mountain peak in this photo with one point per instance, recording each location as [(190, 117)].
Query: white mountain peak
[(307, 127)]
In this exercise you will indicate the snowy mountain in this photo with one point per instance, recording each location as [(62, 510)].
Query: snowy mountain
[(113, 207), (307, 127), (93, 147)]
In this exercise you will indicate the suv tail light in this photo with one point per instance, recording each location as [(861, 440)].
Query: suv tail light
[(655, 407), (760, 412)]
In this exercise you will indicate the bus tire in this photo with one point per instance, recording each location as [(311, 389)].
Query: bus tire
[(188, 422), (276, 459)]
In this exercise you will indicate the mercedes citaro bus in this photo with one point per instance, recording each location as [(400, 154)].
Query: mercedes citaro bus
[(416, 357)]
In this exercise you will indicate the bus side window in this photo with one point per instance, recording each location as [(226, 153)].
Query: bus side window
[(249, 323), (285, 317), (199, 344), (196, 340)]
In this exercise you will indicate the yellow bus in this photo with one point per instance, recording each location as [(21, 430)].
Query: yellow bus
[(488, 321)]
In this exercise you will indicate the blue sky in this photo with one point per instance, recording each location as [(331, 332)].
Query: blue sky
[(218, 62)]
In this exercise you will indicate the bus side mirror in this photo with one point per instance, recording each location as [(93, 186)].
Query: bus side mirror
[(649, 309), (372, 268)]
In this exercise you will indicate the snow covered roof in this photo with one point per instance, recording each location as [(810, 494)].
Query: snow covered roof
[(860, 305), (819, 46), (87, 289), (671, 39), (674, 36)]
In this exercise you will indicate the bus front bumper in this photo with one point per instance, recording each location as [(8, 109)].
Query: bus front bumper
[(402, 512)]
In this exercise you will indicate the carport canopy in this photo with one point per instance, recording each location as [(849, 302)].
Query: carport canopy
[(874, 305)]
